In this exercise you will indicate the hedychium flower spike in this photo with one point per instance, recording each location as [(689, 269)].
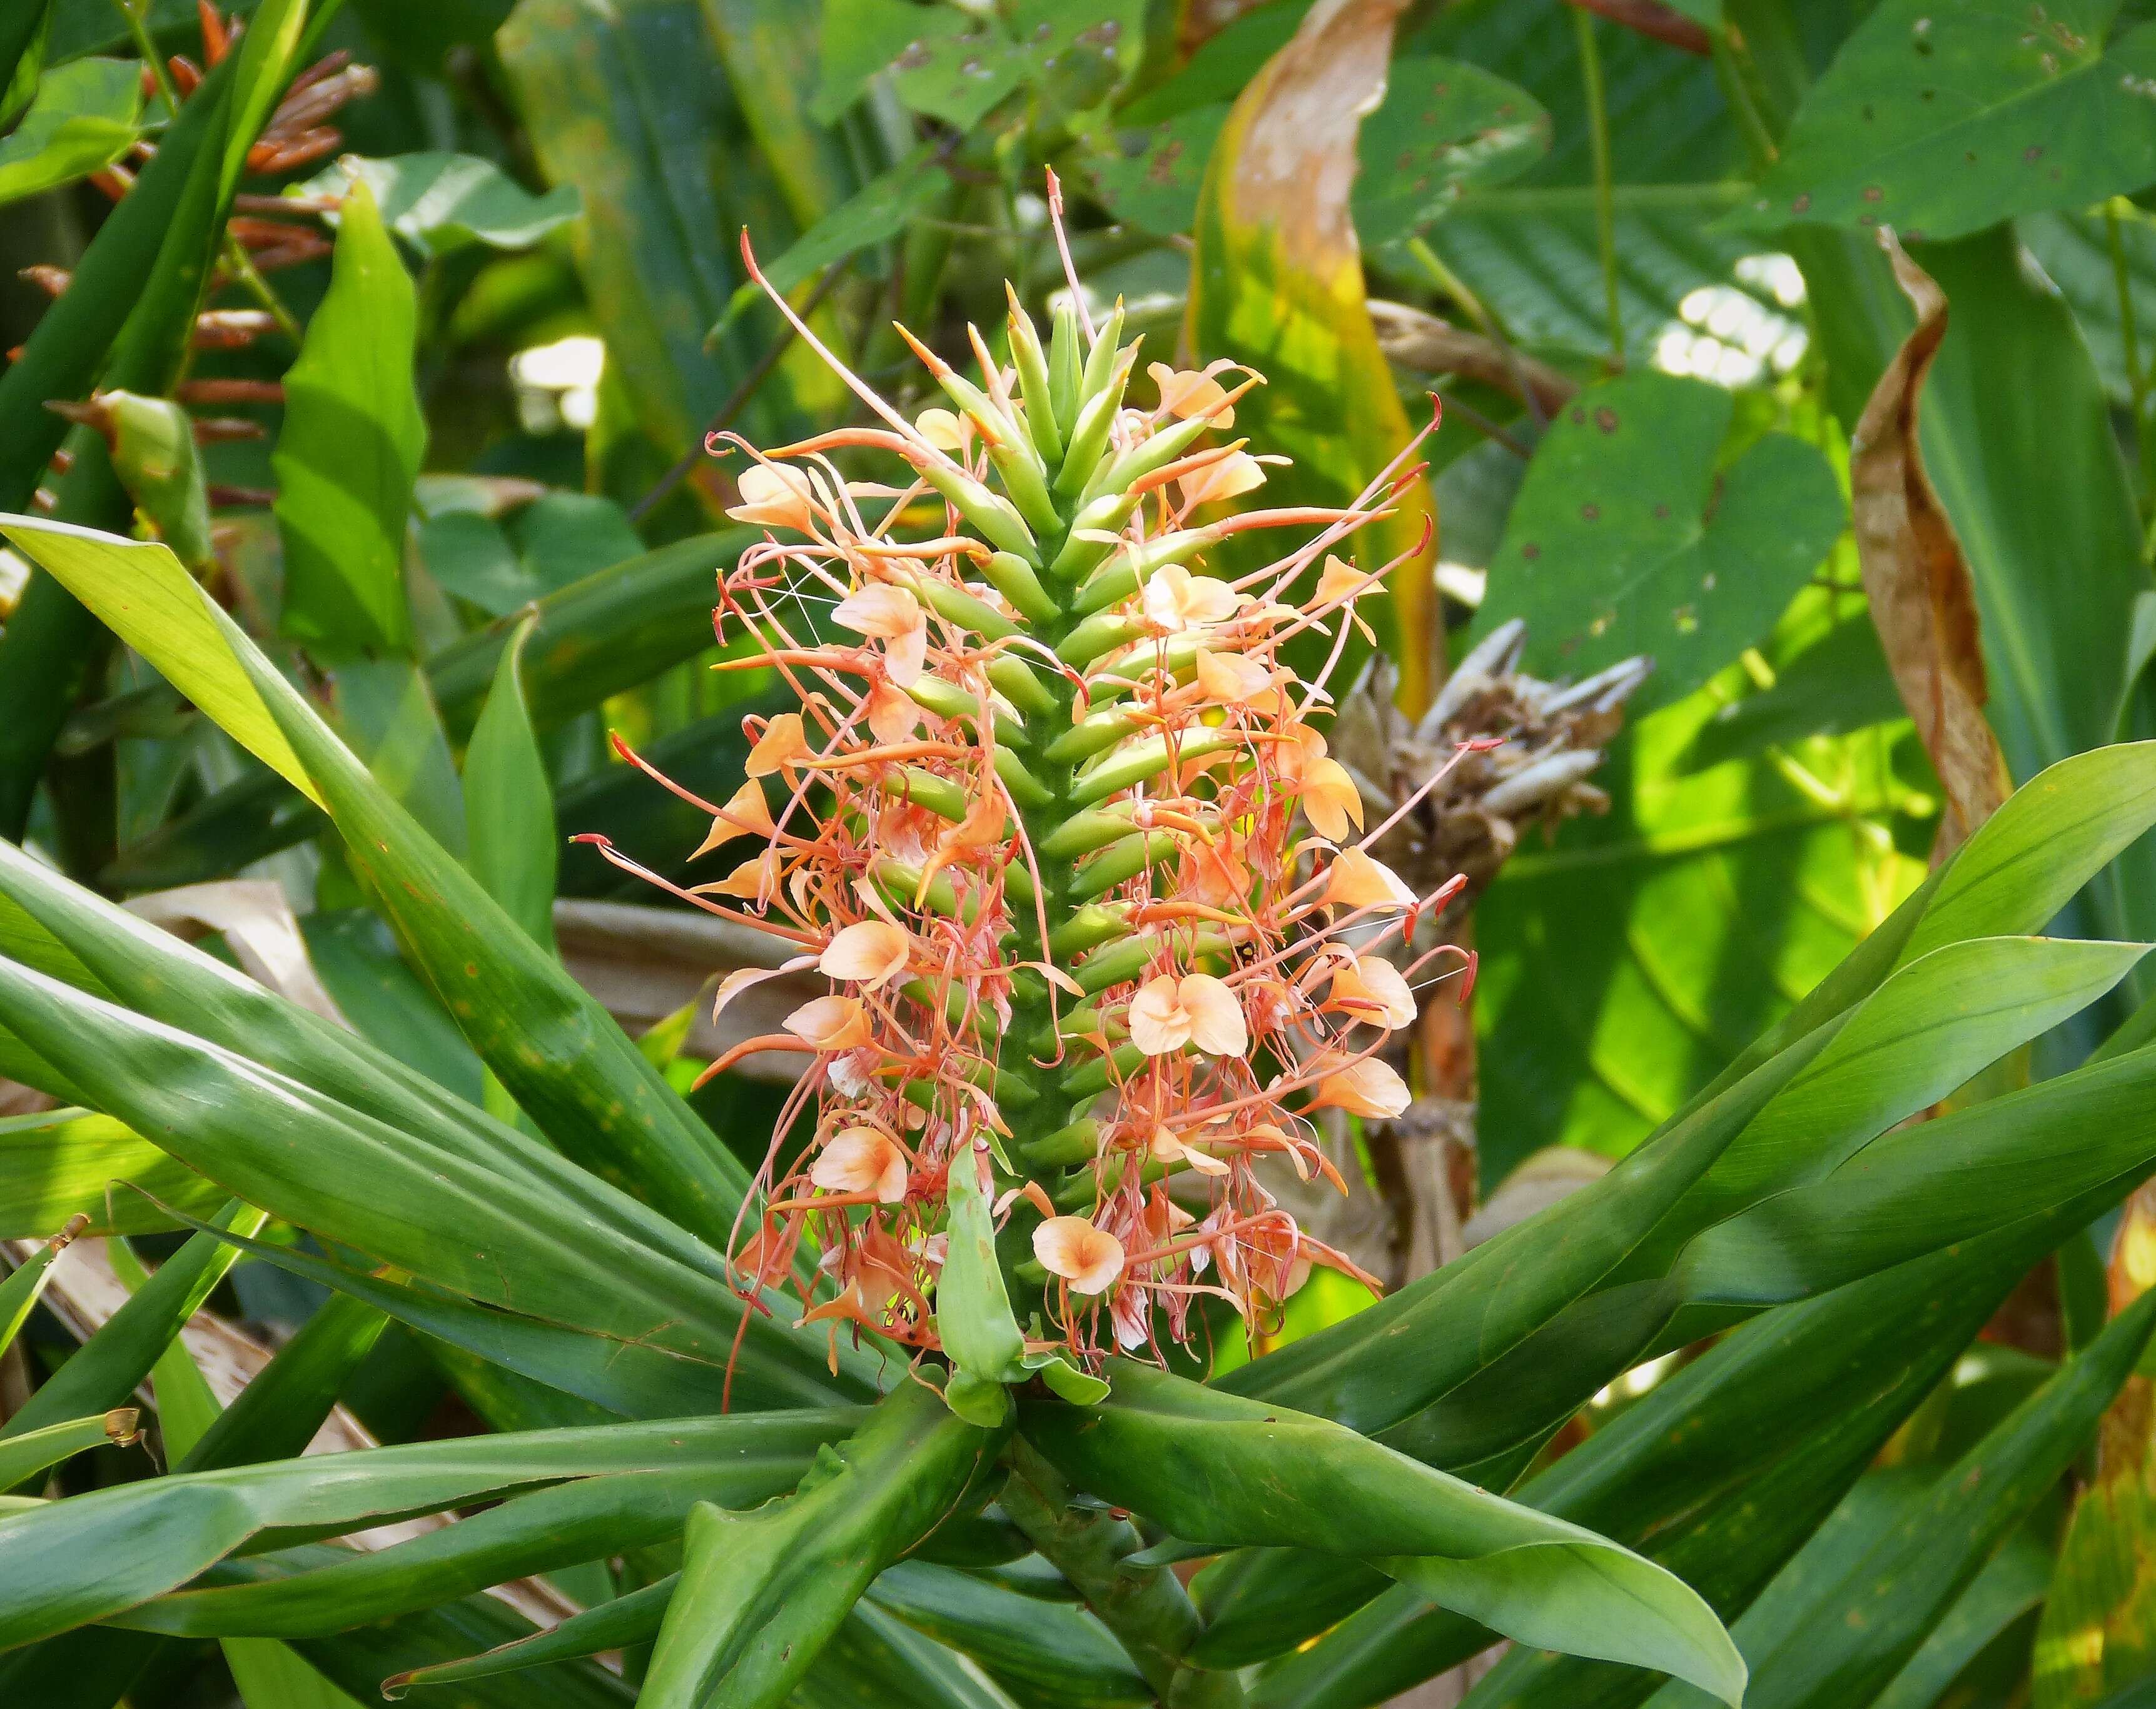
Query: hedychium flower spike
[(1057, 819)]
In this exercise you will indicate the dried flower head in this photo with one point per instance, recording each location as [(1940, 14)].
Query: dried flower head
[(1056, 819)]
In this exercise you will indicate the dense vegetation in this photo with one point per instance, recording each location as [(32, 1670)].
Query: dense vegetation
[(1028, 853)]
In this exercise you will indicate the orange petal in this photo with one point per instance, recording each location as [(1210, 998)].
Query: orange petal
[(893, 714), (1157, 1021), (1355, 881), (1330, 799), (831, 1022), (861, 1160), (1378, 988), (1231, 679), (1088, 1258), (1185, 394), (744, 815), (1365, 1088), (879, 609), (1235, 474), (1216, 1019), (870, 952), (772, 496), (784, 742), (748, 880)]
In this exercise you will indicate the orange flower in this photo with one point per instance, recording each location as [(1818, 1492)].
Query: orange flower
[(1375, 990), (1088, 1258), (1185, 394), (1167, 1013), (1365, 1088), (1178, 600), (1232, 679), (893, 616), (861, 1160), (1355, 881), (784, 742), (1168, 1147), (772, 496), (894, 714), (1330, 799), (870, 953), (831, 1022), (1232, 475), (747, 881)]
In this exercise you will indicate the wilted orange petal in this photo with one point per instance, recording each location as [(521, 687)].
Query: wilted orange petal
[(1216, 1019), (1158, 1022), (831, 1022), (1088, 1258), (861, 1160), (784, 742), (1355, 881), (869, 953)]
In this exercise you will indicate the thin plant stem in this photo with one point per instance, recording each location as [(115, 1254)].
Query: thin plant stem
[(138, 26), (1605, 195), (247, 274), (1485, 318)]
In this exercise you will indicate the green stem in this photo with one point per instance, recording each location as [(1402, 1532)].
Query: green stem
[(138, 26), (1605, 195), (248, 275), (2136, 379), (1147, 1607)]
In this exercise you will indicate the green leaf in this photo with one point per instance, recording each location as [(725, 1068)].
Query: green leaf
[(61, 1164), (85, 116), (1155, 183), (770, 50), (24, 1456), (388, 719), (1879, 1608), (2012, 1584), (1628, 537), (139, 591), (509, 802), (94, 1556), (1218, 1470), (861, 39), (762, 1593), (1042, 1651), (1445, 127), (106, 1368), (20, 1291), (973, 1317), (1940, 121), (438, 202), (276, 1415), (350, 446)]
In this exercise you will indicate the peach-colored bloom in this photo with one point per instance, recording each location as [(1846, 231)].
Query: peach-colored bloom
[(749, 880), (1167, 1013), (1375, 989), (746, 815), (1235, 474), (1167, 1146), (784, 742), (1178, 600), (861, 1160), (1330, 799), (831, 1022), (1188, 392), (893, 616), (1232, 679), (869, 953), (1365, 1088), (1356, 881), (894, 714), (772, 496), (1088, 1258)]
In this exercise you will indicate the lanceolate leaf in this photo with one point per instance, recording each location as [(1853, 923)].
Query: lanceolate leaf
[(1218, 1470), (438, 202), (23, 1456), (351, 447), (508, 803), (83, 119), (96, 1556), (61, 1164)]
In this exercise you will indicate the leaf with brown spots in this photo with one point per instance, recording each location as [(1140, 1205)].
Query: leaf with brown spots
[(1922, 599)]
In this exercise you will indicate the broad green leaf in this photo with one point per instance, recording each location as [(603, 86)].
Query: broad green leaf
[(84, 117), (762, 1593), (862, 39), (277, 1414), (105, 1370), (94, 1556), (1942, 119), (468, 553), (350, 446), (632, 1618), (1155, 183), (264, 56), (509, 802), (139, 590), (387, 716), (64, 1164), (2012, 1584), (1444, 127), (769, 48), (1218, 1470), (23, 39), (1881, 1606), (1072, 55), (1627, 536), (438, 202), (269, 1675), (880, 210), (1276, 282), (23, 1456)]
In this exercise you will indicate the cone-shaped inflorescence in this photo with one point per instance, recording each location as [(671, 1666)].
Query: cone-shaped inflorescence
[(1057, 820)]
